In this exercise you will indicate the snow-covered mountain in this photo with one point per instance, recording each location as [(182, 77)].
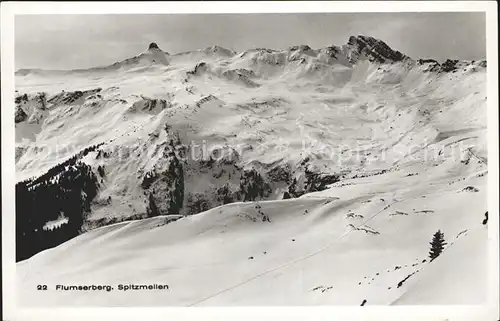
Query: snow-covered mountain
[(265, 177)]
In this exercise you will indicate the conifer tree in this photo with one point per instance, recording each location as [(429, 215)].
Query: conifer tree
[(437, 245), (152, 209), (485, 221)]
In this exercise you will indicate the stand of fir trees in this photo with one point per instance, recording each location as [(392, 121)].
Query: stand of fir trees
[(437, 245), (66, 190)]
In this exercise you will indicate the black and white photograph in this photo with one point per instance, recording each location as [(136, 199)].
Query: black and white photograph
[(251, 159)]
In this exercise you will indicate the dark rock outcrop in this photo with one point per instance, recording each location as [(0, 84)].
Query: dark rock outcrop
[(153, 45), (101, 171), (32, 111), (41, 99), (152, 103), (332, 51), (433, 64), (374, 49), (449, 65), (20, 115), (198, 69), (280, 173), (241, 77), (316, 182), (149, 179), (21, 99), (313, 182)]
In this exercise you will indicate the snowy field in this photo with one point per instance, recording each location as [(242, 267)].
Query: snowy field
[(406, 139)]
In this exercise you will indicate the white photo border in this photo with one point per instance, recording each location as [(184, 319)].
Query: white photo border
[(407, 313)]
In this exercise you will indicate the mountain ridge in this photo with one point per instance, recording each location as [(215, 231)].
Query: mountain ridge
[(376, 50)]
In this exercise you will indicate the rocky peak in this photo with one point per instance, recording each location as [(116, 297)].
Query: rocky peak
[(374, 49), (155, 54), (153, 46)]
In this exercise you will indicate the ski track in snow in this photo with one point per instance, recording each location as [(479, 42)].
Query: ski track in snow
[(284, 265)]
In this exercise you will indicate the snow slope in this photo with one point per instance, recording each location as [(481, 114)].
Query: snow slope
[(406, 140)]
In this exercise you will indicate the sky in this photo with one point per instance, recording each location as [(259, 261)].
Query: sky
[(84, 41)]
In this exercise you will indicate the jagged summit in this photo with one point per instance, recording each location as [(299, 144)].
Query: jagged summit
[(153, 46), (374, 49), (357, 48)]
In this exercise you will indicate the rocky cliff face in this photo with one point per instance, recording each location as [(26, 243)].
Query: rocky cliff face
[(167, 190), (20, 115), (30, 108), (375, 50)]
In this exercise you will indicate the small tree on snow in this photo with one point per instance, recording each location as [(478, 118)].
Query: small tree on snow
[(437, 245)]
